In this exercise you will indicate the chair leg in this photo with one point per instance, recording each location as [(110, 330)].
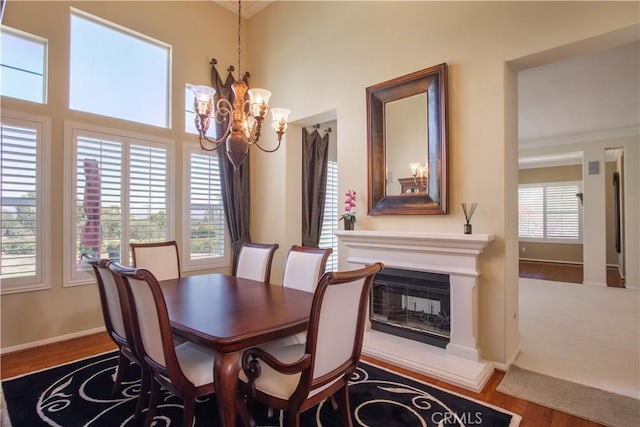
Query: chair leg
[(343, 403), (123, 364), (294, 418), (244, 412), (147, 377), (153, 403), (187, 414)]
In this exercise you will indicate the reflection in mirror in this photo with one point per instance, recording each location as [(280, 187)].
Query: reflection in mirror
[(406, 133)]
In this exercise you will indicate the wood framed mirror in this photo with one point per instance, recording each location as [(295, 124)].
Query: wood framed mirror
[(407, 144)]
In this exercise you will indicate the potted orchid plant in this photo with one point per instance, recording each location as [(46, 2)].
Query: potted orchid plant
[(349, 216)]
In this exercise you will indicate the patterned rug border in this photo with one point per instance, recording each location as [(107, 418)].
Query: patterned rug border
[(516, 418)]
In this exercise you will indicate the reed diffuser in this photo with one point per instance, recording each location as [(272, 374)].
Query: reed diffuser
[(468, 209)]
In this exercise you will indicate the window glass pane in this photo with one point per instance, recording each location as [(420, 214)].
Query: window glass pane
[(330, 219), (101, 82), (23, 67), (206, 219), (18, 151)]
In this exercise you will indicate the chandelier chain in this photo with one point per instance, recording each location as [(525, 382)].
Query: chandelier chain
[(239, 45)]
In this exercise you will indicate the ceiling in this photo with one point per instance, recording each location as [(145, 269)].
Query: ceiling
[(585, 94), (249, 8)]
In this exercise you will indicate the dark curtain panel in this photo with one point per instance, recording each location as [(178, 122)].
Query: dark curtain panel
[(616, 210), (315, 153), (235, 183)]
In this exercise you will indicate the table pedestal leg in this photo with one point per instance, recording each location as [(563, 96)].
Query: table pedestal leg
[(225, 374)]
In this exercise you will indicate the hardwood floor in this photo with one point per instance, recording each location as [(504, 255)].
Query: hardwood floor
[(533, 415), (560, 272)]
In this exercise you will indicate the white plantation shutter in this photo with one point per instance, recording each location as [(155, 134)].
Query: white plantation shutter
[(550, 212), (147, 194), (127, 202), (108, 156), (24, 202), (330, 220), (531, 212), (19, 211), (562, 212), (204, 212)]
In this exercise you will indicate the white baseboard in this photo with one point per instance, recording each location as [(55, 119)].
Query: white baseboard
[(552, 261), (505, 366), (32, 344)]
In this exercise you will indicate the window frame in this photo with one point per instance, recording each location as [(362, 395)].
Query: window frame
[(45, 66), (554, 240), (71, 128), (186, 262), (42, 279)]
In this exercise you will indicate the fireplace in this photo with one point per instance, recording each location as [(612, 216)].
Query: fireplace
[(433, 256), (412, 304)]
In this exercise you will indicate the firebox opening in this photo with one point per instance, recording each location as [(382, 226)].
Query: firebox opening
[(412, 304)]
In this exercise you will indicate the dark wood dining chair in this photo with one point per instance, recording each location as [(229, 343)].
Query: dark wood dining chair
[(161, 258), (116, 321), (187, 369), (297, 377), (254, 261)]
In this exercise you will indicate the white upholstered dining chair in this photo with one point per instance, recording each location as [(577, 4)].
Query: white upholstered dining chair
[(116, 322), (304, 267), (161, 258), (187, 369), (254, 261), (297, 377)]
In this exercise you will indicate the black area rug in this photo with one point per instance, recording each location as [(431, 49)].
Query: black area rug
[(79, 394)]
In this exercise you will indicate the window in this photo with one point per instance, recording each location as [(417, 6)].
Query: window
[(24, 157), (550, 212), (204, 221), (330, 220), (23, 60), (101, 82), (119, 194)]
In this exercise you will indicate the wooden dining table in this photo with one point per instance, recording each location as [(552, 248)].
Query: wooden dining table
[(229, 315)]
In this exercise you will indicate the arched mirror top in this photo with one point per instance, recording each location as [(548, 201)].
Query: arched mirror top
[(407, 144)]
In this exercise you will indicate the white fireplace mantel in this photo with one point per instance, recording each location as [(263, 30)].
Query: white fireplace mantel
[(446, 253)]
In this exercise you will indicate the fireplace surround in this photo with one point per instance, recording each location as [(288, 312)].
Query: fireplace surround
[(452, 254)]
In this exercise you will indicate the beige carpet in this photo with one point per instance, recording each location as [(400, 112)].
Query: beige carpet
[(583, 334), (585, 402)]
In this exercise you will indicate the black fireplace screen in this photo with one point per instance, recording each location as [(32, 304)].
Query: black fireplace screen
[(412, 304)]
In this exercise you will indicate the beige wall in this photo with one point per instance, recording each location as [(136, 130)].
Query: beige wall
[(32, 316), (320, 56), (551, 251), (550, 174)]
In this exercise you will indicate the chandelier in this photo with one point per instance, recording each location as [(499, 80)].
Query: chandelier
[(244, 117)]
